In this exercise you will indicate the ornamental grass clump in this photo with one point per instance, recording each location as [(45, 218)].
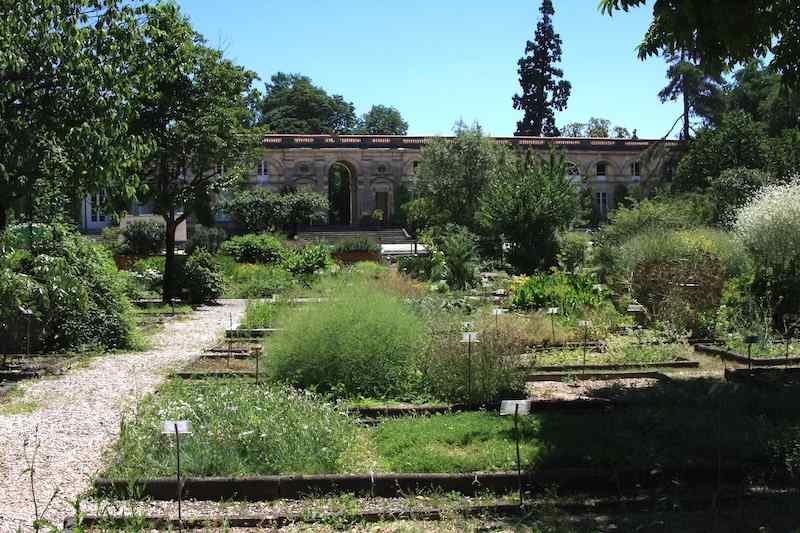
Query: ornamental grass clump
[(237, 429), (361, 341)]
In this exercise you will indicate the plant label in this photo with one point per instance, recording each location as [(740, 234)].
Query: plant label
[(522, 407), (552, 310), (469, 336), (168, 427)]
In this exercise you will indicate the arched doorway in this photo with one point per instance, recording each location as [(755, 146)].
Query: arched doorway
[(341, 193)]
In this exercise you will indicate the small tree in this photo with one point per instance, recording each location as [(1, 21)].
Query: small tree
[(451, 177), (543, 90), (194, 106), (528, 204)]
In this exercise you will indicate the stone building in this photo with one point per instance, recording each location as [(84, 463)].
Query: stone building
[(364, 173)]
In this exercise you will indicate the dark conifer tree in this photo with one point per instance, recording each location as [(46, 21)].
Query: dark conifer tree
[(543, 90)]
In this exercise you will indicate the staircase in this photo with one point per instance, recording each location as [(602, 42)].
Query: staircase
[(334, 234)]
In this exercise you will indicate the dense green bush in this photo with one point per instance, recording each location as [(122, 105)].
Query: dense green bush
[(362, 341), (454, 257), (144, 237), (77, 296), (307, 260), (202, 277), (733, 188), (254, 248), (203, 237), (574, 250), (357, 244), (416, 266), (571, 293), (259, 210)]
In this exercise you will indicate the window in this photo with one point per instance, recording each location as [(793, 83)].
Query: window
[(601, 203), (572, 169), (601, 168), (96, 202), (219, 170), (263, 168), (636, 169)]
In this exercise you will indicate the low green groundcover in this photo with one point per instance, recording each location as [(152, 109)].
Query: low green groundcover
[(243, 429), (616, 354), (237, 429), (764, 350)]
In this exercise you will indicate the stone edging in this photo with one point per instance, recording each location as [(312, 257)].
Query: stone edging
[(679, 363)]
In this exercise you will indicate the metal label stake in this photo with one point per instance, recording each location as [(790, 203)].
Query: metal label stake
[(177, 427), (517, 408)]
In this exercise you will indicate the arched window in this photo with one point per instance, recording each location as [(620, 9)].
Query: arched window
[(572, 169), (601, 169), (636, 168)]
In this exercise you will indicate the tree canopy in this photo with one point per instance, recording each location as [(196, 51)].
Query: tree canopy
[(66, 97), (382, 120), (721, 33), (543, 90), (293, 104), (194, 105)]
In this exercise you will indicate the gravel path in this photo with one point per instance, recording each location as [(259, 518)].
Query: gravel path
[(78, 416)]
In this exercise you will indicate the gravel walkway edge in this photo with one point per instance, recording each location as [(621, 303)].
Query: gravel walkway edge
[(77, 416)]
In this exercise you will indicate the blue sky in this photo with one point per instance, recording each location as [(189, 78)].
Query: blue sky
[(439, 61)]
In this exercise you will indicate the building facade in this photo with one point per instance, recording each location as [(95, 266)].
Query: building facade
[(362, 175)]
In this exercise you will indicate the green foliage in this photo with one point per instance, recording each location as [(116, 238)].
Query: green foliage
[(308, 260), (210, 239), (454, 257), (571, 293), (144, 237), (362, 341), (733, 188), (679, 276), (382, 120), (543, 90), (260, 314), (255, 248), (253, 280), (202, 278), (258, 210), (451, 177), (417, 266), (72, 286), (528, 204), (57, 57), (237, 430), (293, 104), (575, 250), (357, 244), (738, 142)]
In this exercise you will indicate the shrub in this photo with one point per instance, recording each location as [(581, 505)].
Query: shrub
[(357, 244), (254, 248), (144, 237), (362, 341), (306, 261), (260, 210), (679, 276), (72, 286), (260, 314), (202, 278), (237, 430), (453, 254), (769, 226), (208, 238), (574, 250), (571, 293), (416, 266)]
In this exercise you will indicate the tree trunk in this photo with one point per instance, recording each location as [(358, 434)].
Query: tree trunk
[(684, 90), (3, 217), (169, 259)]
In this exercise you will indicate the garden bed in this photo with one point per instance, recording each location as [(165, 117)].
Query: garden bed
[(249, 333), (743, 359), (581, 375), (681, 363)]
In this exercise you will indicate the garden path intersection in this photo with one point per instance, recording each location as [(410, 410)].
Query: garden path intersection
[(77, 416)]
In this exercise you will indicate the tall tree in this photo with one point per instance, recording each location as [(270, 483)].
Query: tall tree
[(65, 98), (699, 90), (721, 33), (194, 107), (293, 104), (382, 120), (543, 90)]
